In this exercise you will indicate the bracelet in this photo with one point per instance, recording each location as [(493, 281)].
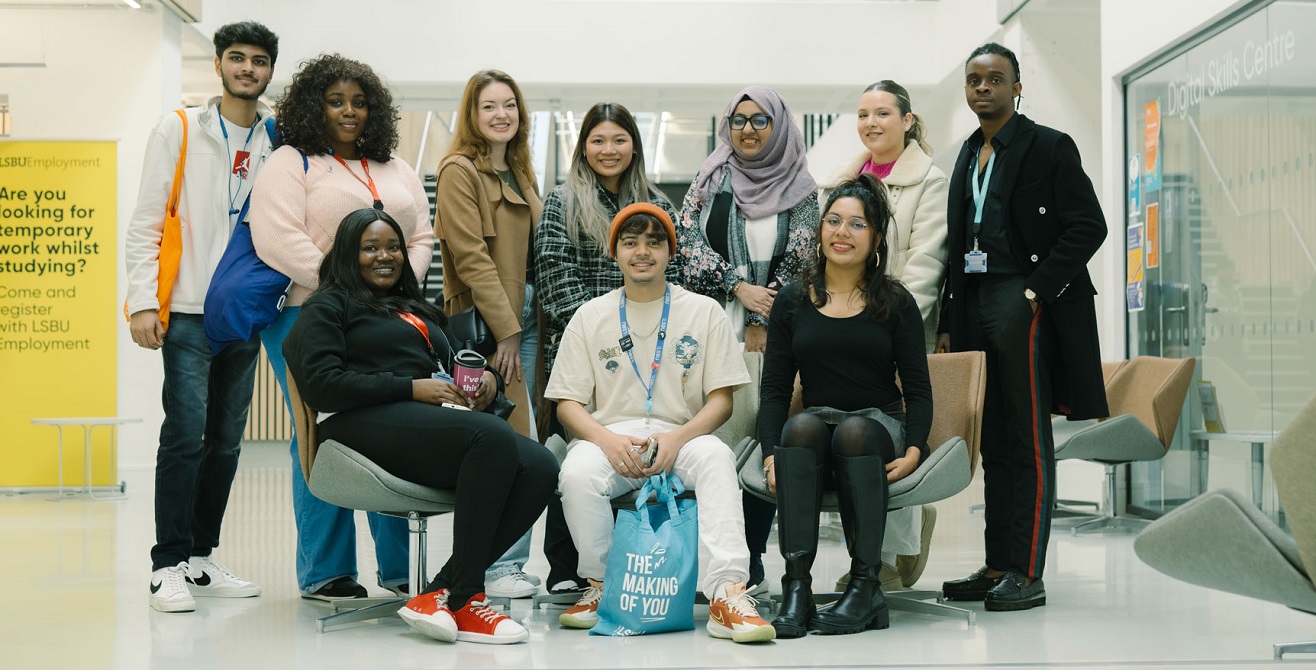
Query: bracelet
[(766, 467)]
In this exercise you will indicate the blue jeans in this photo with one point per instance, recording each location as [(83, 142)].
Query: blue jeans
[(519, 554), (205, 412), (326, 534)]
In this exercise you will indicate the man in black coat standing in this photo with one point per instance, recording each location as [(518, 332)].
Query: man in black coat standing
[(1024, 220)]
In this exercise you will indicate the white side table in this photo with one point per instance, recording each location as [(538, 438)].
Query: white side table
[(89, 424), (1258, 440)]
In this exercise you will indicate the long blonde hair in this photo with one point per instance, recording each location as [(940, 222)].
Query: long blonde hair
[(586, 216), (468, 141)]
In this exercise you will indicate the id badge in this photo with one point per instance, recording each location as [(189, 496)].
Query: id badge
[(975, 262), (442, 376)]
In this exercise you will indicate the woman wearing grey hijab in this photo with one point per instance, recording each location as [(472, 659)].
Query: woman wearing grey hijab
[(748, 222), (748, 226)]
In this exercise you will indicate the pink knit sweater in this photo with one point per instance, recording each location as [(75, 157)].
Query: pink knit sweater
[(295, 213)]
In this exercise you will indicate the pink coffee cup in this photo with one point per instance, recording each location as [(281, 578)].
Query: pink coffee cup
[(468, 371)]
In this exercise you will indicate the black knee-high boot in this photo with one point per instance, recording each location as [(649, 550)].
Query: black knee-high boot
[(799, 497), (862, 490)]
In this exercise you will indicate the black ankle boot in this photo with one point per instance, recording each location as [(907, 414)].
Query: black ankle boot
[(799, 497), (861, 488)]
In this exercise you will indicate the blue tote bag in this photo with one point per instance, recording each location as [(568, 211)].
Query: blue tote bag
[(653, 564)]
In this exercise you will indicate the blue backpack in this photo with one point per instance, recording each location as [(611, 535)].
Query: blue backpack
[(245, 295)]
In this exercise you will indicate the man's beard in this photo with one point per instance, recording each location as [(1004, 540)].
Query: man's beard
[(243, 96)]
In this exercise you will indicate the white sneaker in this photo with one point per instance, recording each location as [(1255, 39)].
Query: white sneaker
[(169, 590), (208, 578), (511, 585)]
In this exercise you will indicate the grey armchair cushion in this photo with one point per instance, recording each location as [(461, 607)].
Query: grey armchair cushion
[(946, 471), (1221, 541), (1118, 440), (743, 421), (345, 478)]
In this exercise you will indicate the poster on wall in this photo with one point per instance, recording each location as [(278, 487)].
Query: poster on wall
[(1151, 170), (58, 269), (1135, 187), (1135, 287), (1153, 253)]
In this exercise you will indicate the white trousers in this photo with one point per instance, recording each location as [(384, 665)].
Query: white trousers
[(588, 483), (904, 528)]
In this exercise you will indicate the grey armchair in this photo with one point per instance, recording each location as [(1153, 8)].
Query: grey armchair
[(1220, 540), (958, 386), (340, 476), (1146, 397)]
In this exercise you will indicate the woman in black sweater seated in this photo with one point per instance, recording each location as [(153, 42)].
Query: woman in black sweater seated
[(847, 328), (365, 352)]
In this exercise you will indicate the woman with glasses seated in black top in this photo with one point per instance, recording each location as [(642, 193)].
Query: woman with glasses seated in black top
[(847, 328), (368, 354)]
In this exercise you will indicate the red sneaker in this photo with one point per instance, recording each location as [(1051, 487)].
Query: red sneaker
[(477, 622), (428, 613)]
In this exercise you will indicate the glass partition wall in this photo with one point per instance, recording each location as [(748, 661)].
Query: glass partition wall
[(1221, 228)]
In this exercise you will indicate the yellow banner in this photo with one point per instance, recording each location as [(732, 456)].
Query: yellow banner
[(58, 269)]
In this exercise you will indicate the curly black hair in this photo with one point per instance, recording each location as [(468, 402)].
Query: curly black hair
[(301, 109)]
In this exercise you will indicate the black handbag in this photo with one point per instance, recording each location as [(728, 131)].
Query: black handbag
[(501, 406), (471, 332)]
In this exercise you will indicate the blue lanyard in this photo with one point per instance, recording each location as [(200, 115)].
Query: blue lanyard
[(980, 192), (629, 346), (232, 198)]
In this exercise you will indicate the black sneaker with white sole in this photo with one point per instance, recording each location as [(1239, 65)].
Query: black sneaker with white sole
[(343, 588)]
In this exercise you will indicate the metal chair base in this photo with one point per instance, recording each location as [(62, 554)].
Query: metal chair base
[(1111, 523), (1294, 648), (903, 601), (350, 614), (1107, 519), (356, 610)]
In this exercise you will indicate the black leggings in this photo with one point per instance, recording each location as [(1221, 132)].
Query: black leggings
[(855, 436), (503, 480)]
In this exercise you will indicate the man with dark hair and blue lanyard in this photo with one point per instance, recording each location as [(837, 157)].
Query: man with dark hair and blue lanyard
[(205, 397), (1024, 218), (644, 375)]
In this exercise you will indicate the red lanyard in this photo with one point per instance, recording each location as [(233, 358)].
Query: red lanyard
[(367, 182), (424, 332)]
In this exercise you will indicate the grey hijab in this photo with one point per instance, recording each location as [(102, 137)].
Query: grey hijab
[(774, 180)]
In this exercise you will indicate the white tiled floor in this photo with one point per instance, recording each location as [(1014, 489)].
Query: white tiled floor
[(79, 572)]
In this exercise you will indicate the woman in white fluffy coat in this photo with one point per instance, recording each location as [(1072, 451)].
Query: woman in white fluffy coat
[(896, 152)]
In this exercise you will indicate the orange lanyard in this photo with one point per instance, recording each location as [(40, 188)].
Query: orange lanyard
[(368, 182), (424, 332)]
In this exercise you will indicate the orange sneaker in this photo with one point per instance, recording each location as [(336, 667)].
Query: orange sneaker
[(735, 618), (428, 613), (478, 622), (585, 613)]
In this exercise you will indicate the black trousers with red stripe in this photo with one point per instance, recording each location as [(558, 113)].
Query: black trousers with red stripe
[(1018, 451)]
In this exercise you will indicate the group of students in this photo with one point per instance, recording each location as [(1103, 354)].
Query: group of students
[(618, 322)]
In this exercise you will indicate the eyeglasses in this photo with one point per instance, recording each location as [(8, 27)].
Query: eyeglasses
[(856, 224), (759, 121)]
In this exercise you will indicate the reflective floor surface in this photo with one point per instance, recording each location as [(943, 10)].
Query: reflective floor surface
[(79, 571)]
